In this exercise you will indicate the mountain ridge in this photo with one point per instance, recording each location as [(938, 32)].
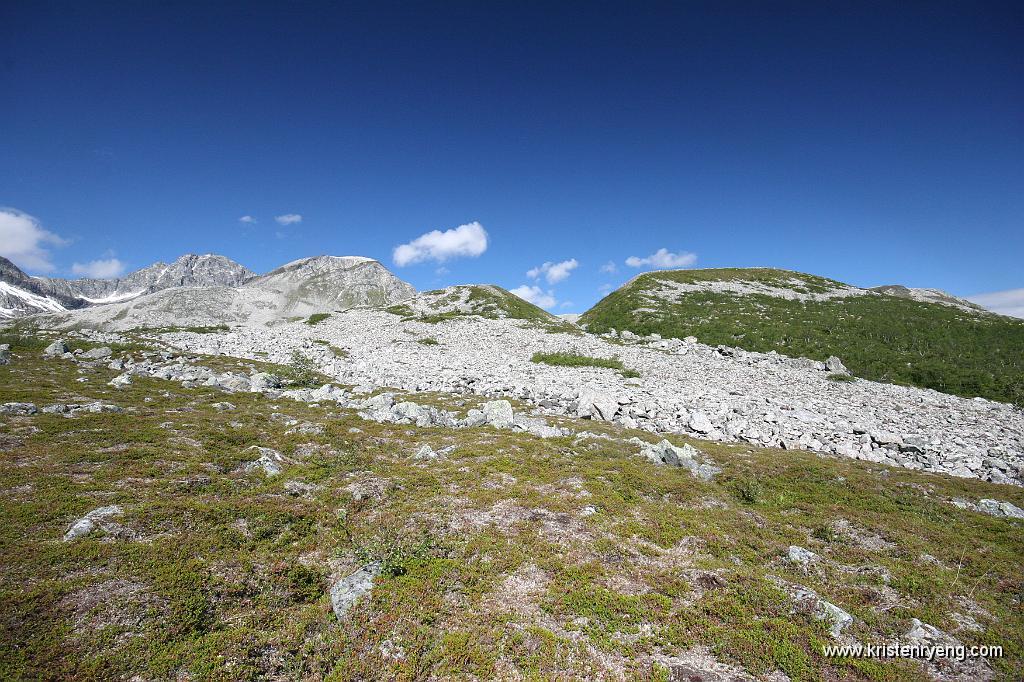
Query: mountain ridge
[(297, 289)]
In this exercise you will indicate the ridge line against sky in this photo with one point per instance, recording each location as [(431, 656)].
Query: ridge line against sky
[(554, 151)]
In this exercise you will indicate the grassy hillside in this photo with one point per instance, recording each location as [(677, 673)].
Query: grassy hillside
[(512, 557), (880, 337)]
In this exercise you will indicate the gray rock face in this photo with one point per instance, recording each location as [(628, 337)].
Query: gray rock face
[(5, 354), (349, 589), (20, 409), (700, 423), (73, 409), (23, 295), (91, 521)]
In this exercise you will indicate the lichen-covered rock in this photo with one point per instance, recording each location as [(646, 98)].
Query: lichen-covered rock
[(349, 589), (91, 521)]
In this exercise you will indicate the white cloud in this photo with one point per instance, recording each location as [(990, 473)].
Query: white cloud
[(609, 267), (288, 219), (605, 288), (99, 269), (469, 240), (553, 272), (536, 296), (249, 219), (23, 240), (663, 258), (1009, 302)]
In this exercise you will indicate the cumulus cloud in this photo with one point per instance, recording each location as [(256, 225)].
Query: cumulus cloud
[(536, 296), (288, 219), (104, 268), (1009, 302), (553, 272), (249, 219), (609, 267), (605, 288), (663, 258), (469, 241), (23, 240)]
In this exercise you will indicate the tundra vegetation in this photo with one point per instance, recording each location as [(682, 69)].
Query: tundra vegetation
[(509, 556)]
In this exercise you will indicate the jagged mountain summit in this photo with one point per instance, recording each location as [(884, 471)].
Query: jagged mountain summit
[(190, 270), (22, 295), (298, 289), (911, 336)]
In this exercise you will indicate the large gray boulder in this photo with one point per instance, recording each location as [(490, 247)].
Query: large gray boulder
[(57, 349), (596, 405), (498, 413), (5, 354), (1001, 509), (834, 364), (700, 422)]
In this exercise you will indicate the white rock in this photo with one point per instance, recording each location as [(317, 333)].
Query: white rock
[(88, 523)]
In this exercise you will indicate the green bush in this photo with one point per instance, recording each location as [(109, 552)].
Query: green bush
[(316, 318)]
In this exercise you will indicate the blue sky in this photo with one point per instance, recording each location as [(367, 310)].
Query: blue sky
[(874, 145)]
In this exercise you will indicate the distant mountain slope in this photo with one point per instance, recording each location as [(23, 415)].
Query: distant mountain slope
[(466, 300), (22, 295), (878, 335), (929, 296), (334, 283), (298, 289)]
